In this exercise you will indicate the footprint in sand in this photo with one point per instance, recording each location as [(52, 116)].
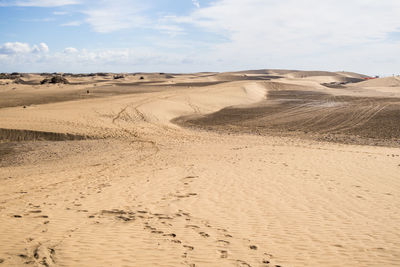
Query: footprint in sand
[(223, 254), (188, 247), (149, 227), (266, 261), (223, 242), (243, 263), (191, 177), (142, 211), (82, 211), (164, 217), (125, 219), (173, 235), (203, 234)]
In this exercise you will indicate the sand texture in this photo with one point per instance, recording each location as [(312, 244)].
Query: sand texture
[(252, 168)]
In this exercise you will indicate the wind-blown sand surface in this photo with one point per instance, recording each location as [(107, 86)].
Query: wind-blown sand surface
[(255, 168)]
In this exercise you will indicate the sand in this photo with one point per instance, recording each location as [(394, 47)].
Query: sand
[(256, 168)]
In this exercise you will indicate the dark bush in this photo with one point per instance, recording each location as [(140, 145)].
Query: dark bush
[(102, 74), (11, 76), (55, 79)]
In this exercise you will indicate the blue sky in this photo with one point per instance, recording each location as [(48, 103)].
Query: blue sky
[(199, 35)]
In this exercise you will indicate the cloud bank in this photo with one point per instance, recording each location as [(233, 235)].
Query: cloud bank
[(40, 3), (24, 58), (18, 48)]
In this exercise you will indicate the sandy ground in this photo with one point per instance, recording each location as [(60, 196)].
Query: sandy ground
[(256, 168)]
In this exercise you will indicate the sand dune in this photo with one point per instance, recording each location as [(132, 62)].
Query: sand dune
[(306, 74), (352, 74), (207, 169), (382, 82)]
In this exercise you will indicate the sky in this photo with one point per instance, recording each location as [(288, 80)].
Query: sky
[(199, 35)]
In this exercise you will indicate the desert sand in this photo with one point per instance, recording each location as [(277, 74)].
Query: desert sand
[(252, 168)]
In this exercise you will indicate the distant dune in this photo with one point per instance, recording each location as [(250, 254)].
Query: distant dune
[(382, 82)]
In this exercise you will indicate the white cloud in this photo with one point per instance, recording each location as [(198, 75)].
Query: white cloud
[(70, 50), (38, 20), (60, 13), (196, 3), (165, 27), (116, 15), (279, 21), (43, 47), (22, 48), (72, 23), (44, 3), (15, 48), (293, 33), (83, 60), (119, 15)]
